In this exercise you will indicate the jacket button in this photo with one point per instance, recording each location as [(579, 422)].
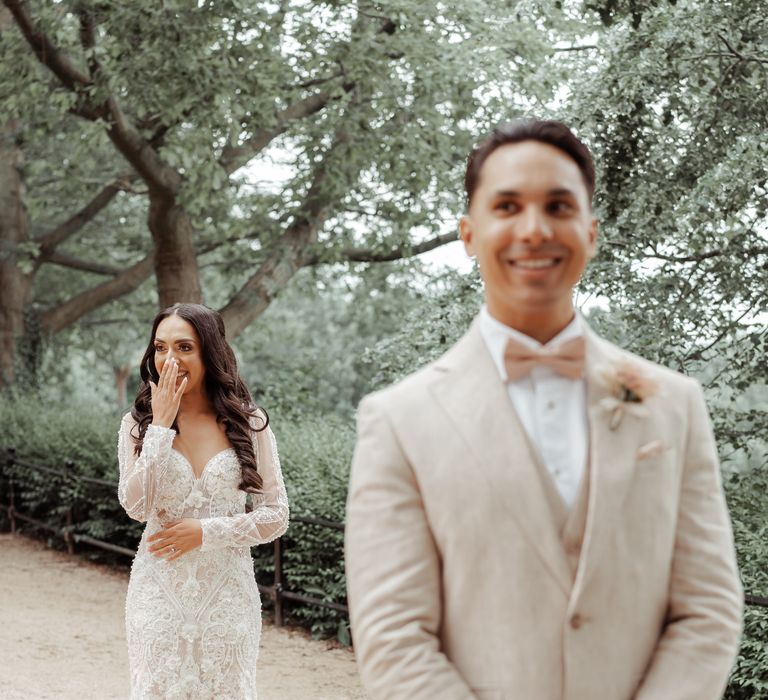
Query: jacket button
[(576, 621)]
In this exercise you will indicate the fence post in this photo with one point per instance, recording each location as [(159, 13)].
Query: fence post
[(11, 495), (278, 587), (69, 467)]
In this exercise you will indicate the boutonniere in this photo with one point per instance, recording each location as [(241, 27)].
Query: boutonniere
[(629, 386)]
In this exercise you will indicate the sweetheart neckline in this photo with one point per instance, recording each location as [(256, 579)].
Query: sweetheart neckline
[(205, 466)]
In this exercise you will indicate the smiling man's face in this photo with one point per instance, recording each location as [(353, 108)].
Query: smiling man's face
[(530, 225)]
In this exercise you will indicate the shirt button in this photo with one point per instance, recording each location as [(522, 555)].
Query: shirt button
[(550, 405), (576, 621)]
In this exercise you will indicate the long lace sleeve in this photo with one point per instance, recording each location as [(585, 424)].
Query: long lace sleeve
[(140, 476), (269, 517)]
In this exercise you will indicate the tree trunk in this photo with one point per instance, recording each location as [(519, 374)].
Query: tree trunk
[(257, 294), (175, 258), (15, 285), (121, 383)]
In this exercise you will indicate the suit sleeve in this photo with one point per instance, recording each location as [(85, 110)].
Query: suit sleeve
[(393, 572), (700, 639)]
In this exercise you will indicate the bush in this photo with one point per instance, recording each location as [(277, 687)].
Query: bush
[(748, 501), (51, 436), (315, 455)]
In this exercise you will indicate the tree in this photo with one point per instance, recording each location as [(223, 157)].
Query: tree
[(24, 250), (14, 283), (24, 254), (307, 354), (373, 106), (671, 101)]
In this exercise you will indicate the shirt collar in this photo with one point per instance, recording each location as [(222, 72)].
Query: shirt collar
[(496, 334)]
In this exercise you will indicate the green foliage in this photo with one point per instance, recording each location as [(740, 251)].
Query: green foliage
[(213, 87), (748, 502), (53, 435), (315, 455), (428, 331), (671, 103), (307, 354)]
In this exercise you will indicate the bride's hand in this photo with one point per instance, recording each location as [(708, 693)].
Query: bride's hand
[(176, 538), (165, 396)]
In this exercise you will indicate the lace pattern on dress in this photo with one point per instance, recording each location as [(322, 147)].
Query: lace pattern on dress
[(269, 517), (139, 477), (193, 624)]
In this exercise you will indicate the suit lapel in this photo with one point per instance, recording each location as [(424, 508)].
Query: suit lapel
[(612, 457), (472, 394)]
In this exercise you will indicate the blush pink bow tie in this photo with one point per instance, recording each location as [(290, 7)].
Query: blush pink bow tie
[(566, 358)]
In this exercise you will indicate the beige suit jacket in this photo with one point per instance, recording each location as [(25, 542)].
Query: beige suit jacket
[(459, 584)]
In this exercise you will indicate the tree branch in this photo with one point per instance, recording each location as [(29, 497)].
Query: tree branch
[(77, 264), (56, 319), (730, 46), (285, 257), (699, 257), (235, 157), (398, 253), (127, 139), (732, 51), (291, 251), (47, 53), (698, 353), (140, 153), (314, 82), (584, 47), (88, 37), (49, 241)]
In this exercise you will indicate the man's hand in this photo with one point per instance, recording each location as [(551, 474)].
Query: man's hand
[(176, 538), (165, 396)]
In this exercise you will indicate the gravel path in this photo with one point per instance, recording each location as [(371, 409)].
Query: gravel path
[(62, 636)]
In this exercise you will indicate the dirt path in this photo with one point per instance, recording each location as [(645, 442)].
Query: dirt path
[(62, 636)]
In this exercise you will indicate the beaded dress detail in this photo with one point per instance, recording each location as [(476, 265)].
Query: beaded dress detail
[(193, 624)]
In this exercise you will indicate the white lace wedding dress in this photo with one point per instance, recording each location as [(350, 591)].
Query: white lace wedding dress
[(193, 624)]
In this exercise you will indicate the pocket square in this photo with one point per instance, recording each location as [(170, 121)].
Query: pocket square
[(650, 449)]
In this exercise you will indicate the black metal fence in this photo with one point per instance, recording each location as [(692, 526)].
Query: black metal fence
[(278, 593)]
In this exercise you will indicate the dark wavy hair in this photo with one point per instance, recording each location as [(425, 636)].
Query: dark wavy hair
[(548, 131), (231, 400)]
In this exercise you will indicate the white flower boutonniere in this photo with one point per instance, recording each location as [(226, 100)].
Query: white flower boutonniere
[(629, 386)]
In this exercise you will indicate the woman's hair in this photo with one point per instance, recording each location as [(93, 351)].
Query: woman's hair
[(230, 397)]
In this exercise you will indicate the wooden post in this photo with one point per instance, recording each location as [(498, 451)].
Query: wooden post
[(278, 582), (68, 532), (69, 466), (11, 495)]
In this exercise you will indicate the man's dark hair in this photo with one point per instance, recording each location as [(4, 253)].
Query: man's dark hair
[(552, 132)]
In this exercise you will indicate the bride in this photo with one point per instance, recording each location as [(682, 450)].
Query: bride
[(190, 450)]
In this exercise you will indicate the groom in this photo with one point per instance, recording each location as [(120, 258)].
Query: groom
[(538, 515)]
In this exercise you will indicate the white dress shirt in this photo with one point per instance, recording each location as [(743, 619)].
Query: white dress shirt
[(551, 407)]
